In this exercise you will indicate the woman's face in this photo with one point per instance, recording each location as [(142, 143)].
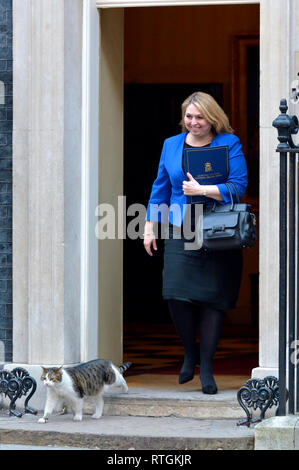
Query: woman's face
[(195, 123)]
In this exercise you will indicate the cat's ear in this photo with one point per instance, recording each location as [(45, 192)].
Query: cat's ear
[(44, 368)]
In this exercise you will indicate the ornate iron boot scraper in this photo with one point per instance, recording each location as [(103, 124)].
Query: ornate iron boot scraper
[(258, 393), (15, 384)]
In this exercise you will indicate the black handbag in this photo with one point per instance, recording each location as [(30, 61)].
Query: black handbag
[(228, 226)]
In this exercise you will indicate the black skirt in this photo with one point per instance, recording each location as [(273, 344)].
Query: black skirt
[(212, 278)]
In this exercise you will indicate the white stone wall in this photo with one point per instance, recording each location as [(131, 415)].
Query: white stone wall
[(47, 180), (2, 352), (278, 32)]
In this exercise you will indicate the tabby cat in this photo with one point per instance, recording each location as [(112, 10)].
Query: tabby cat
[(72, 384)]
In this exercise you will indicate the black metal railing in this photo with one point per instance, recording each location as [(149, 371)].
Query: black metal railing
[(288, 262), (16, 384)]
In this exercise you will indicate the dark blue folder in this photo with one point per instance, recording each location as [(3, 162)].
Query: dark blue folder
[(208, 165)]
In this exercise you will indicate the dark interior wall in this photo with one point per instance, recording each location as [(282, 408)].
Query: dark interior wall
[(185, 44), (144, 132), (182, 49)]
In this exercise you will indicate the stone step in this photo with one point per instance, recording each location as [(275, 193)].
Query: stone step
[(127, 433), (149, 402)]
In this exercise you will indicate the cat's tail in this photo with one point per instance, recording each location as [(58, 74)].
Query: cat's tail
[(124, 367)]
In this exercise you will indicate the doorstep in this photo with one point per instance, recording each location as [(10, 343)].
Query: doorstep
[(127, 433), (152, 402)]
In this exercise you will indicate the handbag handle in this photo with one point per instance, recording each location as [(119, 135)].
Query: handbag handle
[(231, 196), (236, 192)]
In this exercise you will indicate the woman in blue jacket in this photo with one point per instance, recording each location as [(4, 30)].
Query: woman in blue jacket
[(198, 285)]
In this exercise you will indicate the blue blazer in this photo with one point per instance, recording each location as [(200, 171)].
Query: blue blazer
[(167, 200)]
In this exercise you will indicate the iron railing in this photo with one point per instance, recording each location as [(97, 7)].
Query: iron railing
[(288, 262), (16, 384)]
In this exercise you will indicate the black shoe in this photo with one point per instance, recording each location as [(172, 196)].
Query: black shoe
[(187, 370), (186, 373), (208, 383)]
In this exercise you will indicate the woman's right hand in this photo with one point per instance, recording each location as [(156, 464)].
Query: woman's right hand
[(149, 238), (149, 241)]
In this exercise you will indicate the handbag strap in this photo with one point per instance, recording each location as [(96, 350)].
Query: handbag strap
[(234, 188), (231, 196)]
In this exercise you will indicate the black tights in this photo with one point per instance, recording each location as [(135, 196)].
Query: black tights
[(187, 318)]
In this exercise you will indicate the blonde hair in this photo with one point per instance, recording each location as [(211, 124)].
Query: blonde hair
[(210, 110)]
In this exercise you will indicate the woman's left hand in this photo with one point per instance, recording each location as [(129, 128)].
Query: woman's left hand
[(191, 187)]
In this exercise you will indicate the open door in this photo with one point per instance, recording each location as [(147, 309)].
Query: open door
[(111, 181)]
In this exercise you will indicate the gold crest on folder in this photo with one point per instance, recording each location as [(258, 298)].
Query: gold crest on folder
[(208, 167)]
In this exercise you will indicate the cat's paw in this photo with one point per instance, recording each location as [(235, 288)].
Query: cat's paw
[(42, 420), (96, 416), (77, 418)]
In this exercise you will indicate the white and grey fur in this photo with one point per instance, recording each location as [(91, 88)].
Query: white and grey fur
[(71, 385)]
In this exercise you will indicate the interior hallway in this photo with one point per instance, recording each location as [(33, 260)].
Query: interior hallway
[(157, 354)]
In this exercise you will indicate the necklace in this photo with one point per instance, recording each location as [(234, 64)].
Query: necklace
[(195, 144)]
